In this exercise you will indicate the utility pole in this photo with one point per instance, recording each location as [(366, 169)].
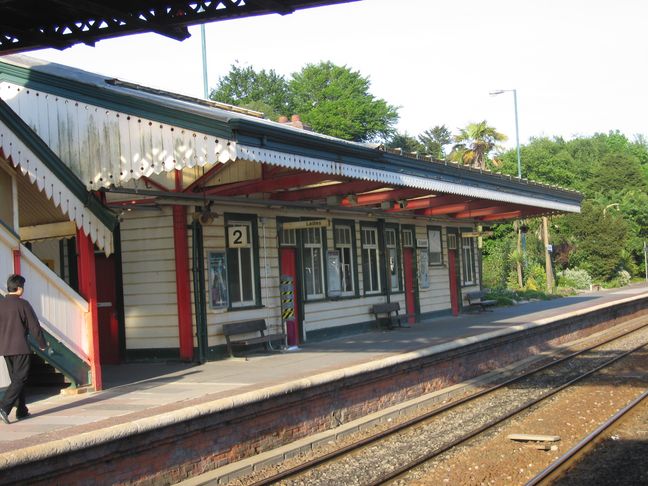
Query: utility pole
[(646, 259), (545, 237), (516, 225)]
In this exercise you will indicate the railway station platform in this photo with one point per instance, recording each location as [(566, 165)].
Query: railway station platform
[(162, 400)]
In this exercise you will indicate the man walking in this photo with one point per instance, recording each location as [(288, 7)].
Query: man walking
[(17, 319)]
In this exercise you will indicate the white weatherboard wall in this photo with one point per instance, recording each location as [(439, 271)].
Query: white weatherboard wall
[(150, 301), (150, 286), (437, 297), (268, 258)]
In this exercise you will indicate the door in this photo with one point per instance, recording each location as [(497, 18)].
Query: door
[(107, 310), (410, 296), (453, 277), (288, 265)]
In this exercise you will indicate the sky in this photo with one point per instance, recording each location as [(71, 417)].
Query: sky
[(578, 67)]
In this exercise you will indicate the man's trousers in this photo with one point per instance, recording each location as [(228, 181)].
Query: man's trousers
[(18, 368)]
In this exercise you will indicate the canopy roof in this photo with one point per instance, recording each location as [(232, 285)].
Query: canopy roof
[(125, 133), (37, 24)]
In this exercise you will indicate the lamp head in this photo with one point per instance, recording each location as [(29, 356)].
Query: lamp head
[(496, 92)]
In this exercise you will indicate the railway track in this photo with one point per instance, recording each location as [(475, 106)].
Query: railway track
[(557, 470), (385, 457)]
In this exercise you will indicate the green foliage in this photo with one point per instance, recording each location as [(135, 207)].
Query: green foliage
[(574, 278), (333, 100), (593, 239), (536, 278), (336, 101), (264, 91), (623, 278), (434, 140), (612, 172), (474, 143), (406, 143), (508, 297)]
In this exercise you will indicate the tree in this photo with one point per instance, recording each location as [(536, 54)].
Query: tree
[(434, 140), (264, 91), (406, 143), (335, 100), (594, 238), (474, 143)]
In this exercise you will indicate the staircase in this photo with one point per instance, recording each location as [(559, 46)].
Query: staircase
[(63, 315), (44, 376)]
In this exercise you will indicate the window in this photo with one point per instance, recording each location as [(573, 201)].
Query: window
[(343, 237), (288, 237), (393, 262), (241, 263), (434, 246), (408, 238), (468, 261), (313, 263), (452, 241), (370, 261)]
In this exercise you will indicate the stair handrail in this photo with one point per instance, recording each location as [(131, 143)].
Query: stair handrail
[(52, 278)]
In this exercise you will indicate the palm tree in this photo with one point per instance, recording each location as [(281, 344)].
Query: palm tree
[(474, 143)]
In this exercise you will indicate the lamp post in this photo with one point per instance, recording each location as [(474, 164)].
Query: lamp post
[(517, 130), (203, 44), (521, 232)]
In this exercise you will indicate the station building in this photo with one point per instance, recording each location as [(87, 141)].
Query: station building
[(145, 220)]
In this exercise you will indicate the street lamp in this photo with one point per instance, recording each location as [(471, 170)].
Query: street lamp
[(517, 131)]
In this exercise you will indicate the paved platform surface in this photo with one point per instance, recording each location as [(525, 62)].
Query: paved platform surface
[(136, 391)]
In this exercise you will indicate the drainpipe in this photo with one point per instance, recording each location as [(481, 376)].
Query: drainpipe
[(198, 269)]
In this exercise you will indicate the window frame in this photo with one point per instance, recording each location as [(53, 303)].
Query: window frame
[(366, 275), (431, 262), (467, 263), (249, 220), (322, 251), (389, 227), (337, 223)]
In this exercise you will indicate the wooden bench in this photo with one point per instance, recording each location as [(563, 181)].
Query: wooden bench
[(390, 311), (476, 301), (257, 326)]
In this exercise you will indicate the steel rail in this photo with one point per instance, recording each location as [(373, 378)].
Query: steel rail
[(426, 457), (311, 464), (557, 468)]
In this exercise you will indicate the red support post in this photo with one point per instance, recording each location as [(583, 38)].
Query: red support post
[(16, 261), (183, 289), (88, 290)]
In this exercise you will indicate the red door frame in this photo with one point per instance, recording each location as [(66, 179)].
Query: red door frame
[(183, 288), (109, 338), (289, 266), (88, 290)]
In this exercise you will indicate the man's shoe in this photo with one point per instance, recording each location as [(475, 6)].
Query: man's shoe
[(22, 415), (4, 416)]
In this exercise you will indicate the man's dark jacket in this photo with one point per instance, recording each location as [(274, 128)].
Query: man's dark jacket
[(17, 319)]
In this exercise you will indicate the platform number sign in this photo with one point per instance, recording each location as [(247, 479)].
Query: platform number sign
[(238, 236)]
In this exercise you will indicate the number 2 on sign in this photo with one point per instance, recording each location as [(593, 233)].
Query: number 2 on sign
[(238, 236)]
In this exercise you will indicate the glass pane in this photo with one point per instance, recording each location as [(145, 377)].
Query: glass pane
[(317, 270), (308, 271), (247, 280), (347, 272), (393, 269), (373, 263), (234, 276)]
